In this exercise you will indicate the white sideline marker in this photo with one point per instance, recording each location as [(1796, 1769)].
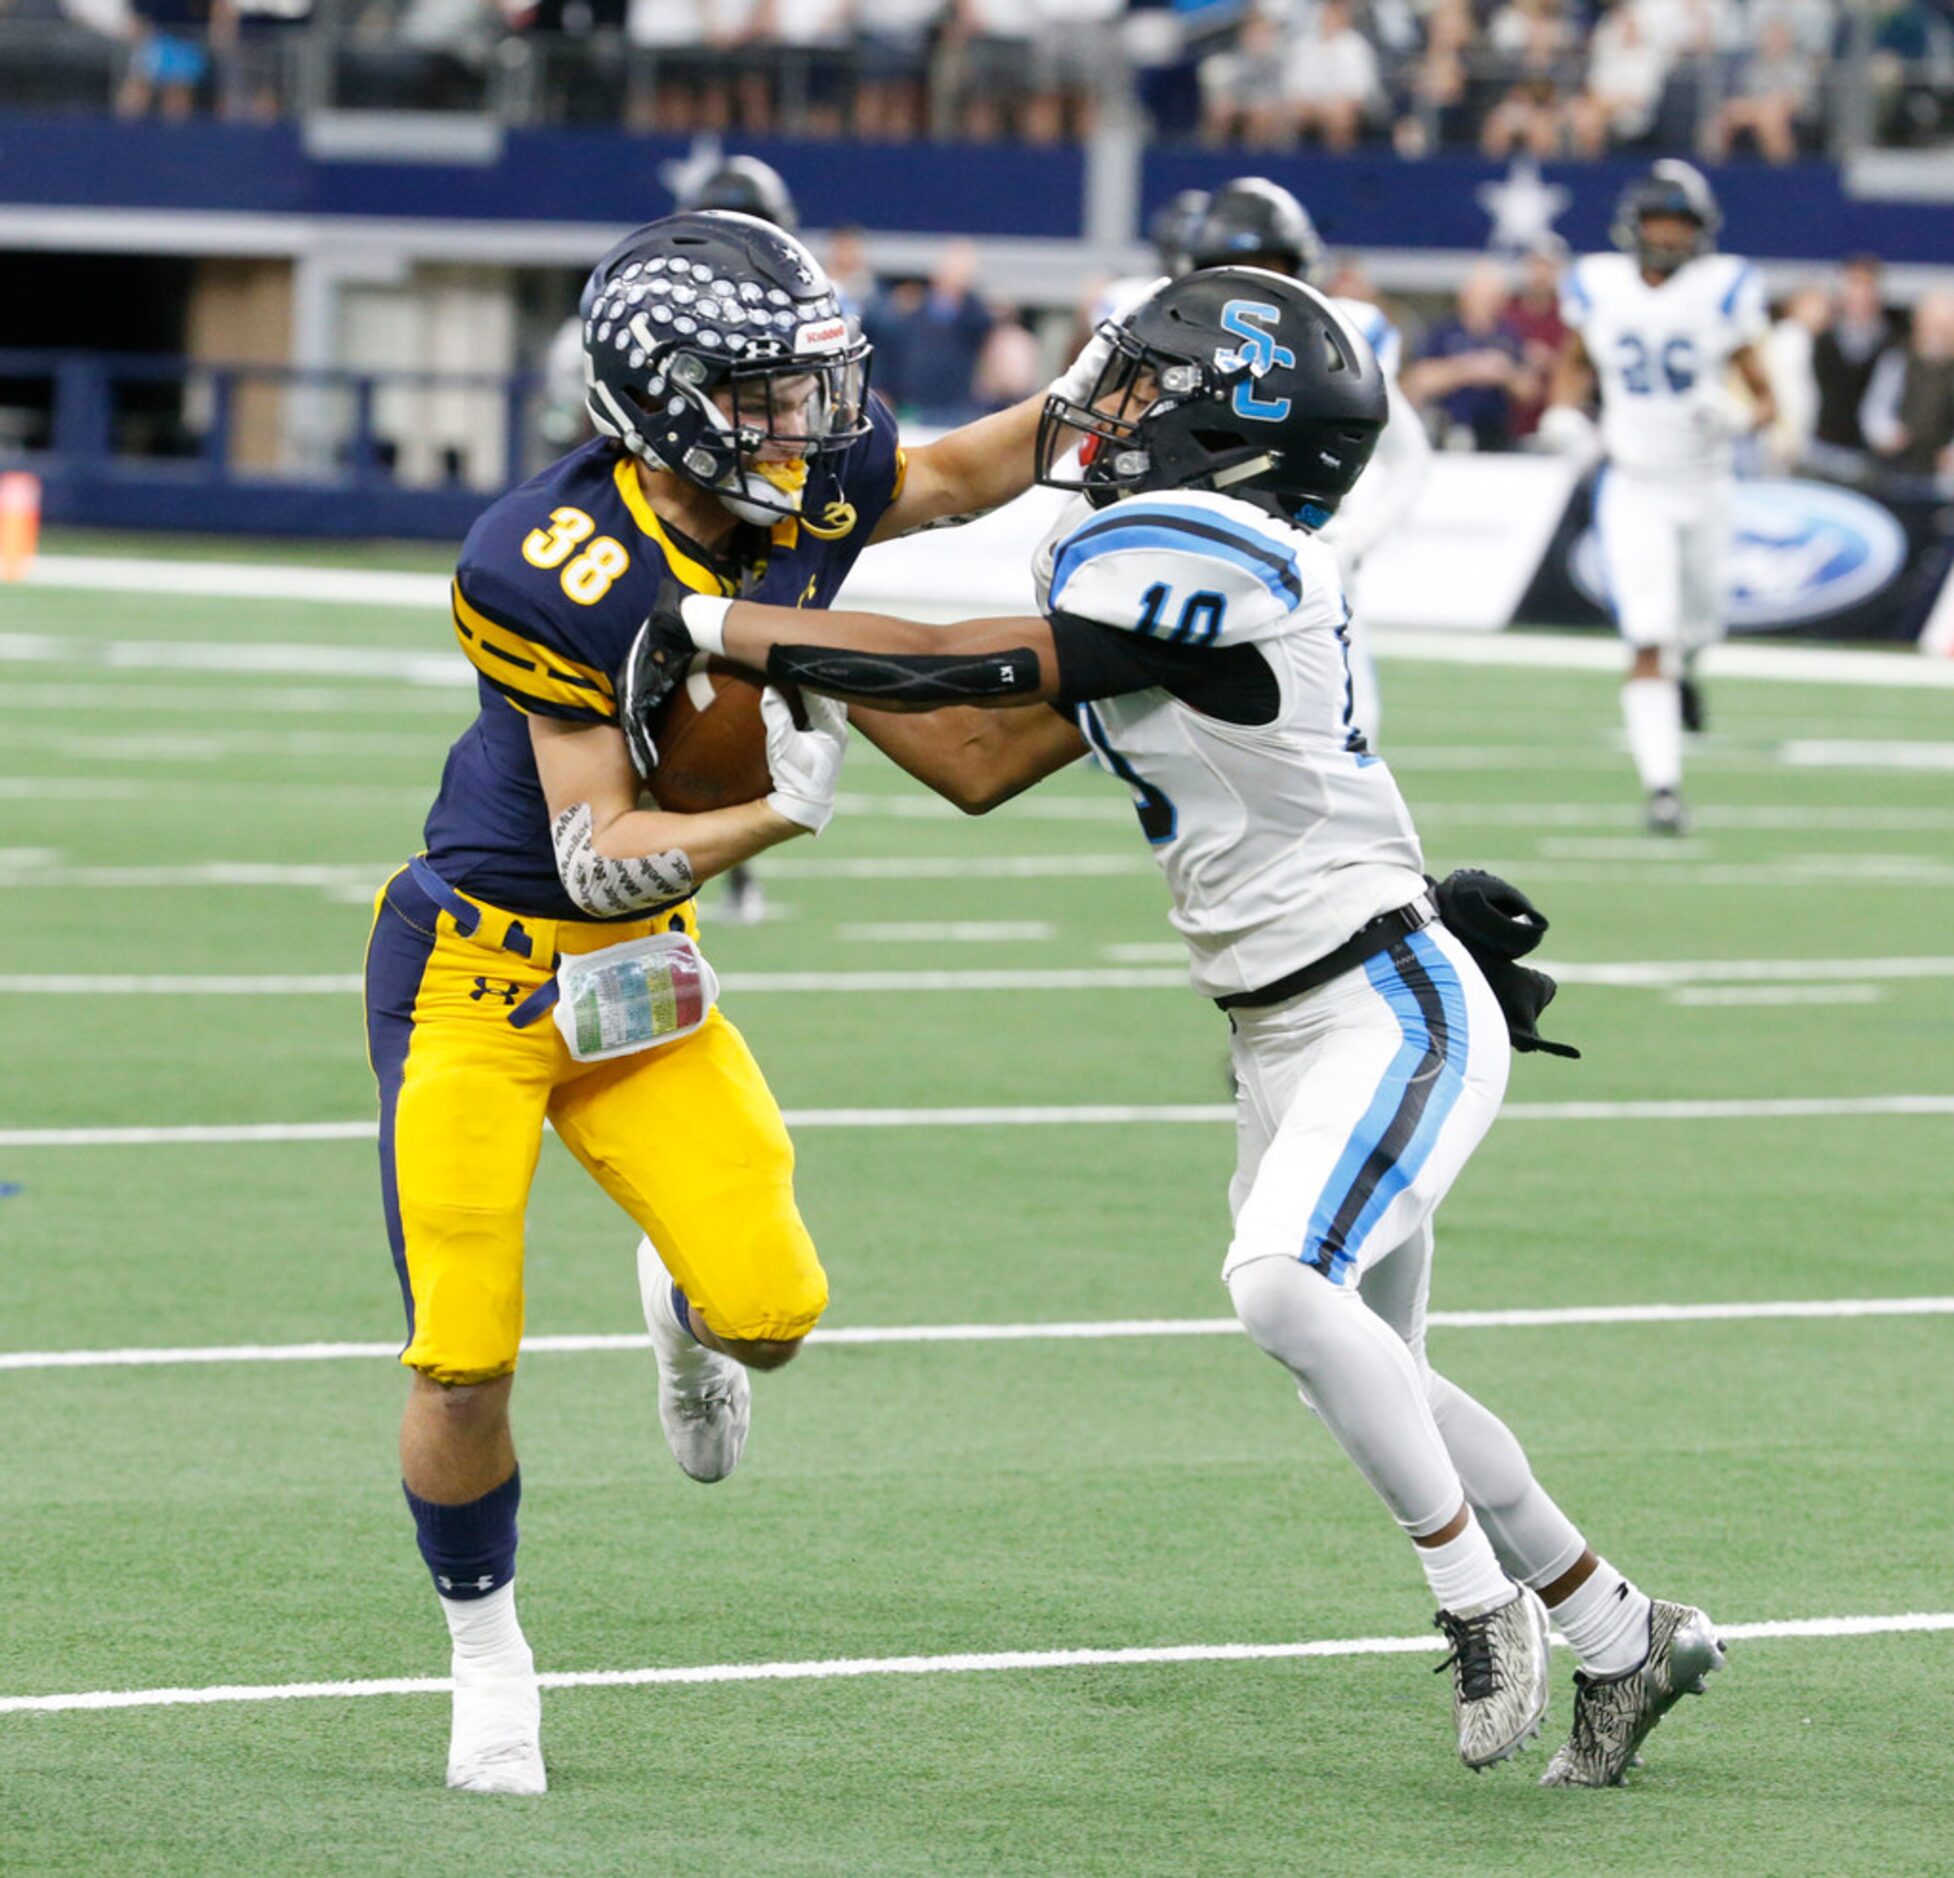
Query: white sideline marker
[(1108, 1329), (839, 1668)]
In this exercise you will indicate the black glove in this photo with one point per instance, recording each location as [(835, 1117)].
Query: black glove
[(659, 658), (1499, 925)]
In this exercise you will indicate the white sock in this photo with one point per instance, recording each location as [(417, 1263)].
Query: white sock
[(1606, 1621), (1652, 712), (1464, 1574), (488, 1642)]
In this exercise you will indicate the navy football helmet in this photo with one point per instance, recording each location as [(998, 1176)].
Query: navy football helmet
[(1253, 222), (1172, 226), (1233, 379), (714, 347), (1671, 187), (748, 187)]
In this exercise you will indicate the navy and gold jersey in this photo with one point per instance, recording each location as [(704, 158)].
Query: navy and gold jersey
[(553, 583)]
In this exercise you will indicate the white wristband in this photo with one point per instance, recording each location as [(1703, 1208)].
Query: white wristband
[(704, 615)]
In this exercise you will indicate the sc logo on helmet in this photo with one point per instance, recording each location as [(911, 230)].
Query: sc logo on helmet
[(1259, 352)]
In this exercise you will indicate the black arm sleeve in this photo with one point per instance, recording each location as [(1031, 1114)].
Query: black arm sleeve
[(907, 678), (1233, 683)]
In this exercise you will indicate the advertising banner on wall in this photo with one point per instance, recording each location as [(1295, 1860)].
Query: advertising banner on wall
[(1499, 541), (1808, 559)]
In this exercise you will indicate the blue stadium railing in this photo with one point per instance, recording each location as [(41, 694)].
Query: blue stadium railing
[(157, 442)]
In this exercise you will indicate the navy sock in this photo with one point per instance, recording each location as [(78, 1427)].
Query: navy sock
[(470, 1549)]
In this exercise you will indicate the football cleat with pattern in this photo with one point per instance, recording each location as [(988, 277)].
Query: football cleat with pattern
[(1613, 1715), (495, 1739), (704, 1399), (1499, 1676)]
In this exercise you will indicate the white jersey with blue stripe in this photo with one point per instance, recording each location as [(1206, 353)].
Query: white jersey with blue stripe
[(1375, 329), (1278, 840), (1661, 353)]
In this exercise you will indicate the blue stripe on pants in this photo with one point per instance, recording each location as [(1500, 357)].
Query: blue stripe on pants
[(1420, 1085), (396, 956)]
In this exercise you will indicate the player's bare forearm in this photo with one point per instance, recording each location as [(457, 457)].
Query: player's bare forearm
[(711, 841), (1757, 382), (896, 664), (967, 471), (1573, 377), (588, 766), (976, 759)]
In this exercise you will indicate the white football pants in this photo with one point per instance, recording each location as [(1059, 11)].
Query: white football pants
[(1665, 546), (1358, 1104)]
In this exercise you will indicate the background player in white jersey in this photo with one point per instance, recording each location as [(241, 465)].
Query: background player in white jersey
[(1193, 633), (1253, 222), (1657, 330)]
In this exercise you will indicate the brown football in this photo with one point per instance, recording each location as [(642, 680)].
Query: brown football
[(712, 742)]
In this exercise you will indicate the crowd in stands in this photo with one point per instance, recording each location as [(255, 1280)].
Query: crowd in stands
[(1551, 78), (1863, 394)]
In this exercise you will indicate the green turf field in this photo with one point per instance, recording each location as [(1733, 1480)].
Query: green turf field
[(182, 798)]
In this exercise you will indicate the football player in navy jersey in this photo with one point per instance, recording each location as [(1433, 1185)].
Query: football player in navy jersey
[(739, 454)]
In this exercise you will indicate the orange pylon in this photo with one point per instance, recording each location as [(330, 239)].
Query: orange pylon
[(20, 522)]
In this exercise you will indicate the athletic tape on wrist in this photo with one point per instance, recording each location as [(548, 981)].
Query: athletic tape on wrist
[(704, 615)]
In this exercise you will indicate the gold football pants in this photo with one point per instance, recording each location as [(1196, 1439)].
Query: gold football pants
[(685, 1137)]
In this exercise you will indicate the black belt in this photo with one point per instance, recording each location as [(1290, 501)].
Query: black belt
[(1376, 936)]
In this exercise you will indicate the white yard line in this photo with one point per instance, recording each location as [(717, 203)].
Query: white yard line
[(839, 1668), (1100, 1330), (1865, 753), (1715, 996), (1899, 871), (1095, 1115), (384, 664), (240, 580), (1132, 971), (1764, 818), (947, 931), (1770, 1108), (344, 586), (1600, 652)]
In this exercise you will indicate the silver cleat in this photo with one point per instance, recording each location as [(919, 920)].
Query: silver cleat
[(1666, 814), (705, 1402), (1613, 1715), (1499, 1676)]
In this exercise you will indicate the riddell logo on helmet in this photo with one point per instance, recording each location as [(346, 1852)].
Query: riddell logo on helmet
[(824, 336)]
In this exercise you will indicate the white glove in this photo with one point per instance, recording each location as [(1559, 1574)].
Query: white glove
[(1080, 379), (1723, 417), (805, 764), (1570, 433)]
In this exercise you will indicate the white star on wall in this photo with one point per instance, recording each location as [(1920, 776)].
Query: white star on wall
[(1523, 206), (683, 175)]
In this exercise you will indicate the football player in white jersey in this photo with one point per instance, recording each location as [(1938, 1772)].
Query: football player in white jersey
[(1656, 330), (1253, 222), (1194, 633)]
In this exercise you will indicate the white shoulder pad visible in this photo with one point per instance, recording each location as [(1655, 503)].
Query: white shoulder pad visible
[(1595, 282), (1740, 298), (1375, 329), (1182, 565)]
